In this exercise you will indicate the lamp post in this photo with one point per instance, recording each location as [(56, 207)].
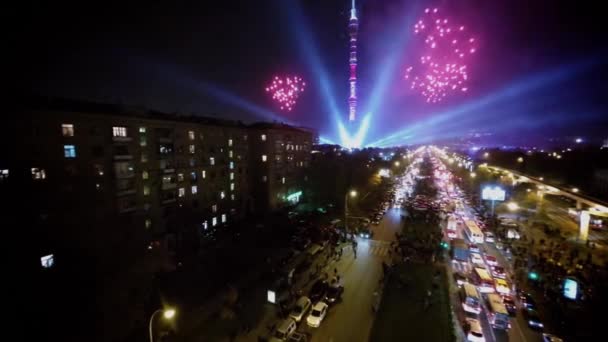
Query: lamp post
[(352, 194), (168, 314)]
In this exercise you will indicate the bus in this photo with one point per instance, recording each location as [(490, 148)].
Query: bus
[(483, 280), (471, 299), (498, 316), (471, 229)]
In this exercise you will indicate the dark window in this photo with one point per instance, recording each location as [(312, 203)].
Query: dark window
[(97, 151)]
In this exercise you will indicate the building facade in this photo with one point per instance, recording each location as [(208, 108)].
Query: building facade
[(280, 156), (116, 194)]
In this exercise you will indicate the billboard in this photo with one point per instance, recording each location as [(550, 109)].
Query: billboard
[(493, 193), (570, 288)]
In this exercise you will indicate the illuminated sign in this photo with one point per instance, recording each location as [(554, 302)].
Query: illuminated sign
[(493, 193), (570, 288), (295, 197), (47, 261)]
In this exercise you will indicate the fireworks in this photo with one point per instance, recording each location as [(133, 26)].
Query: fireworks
[(442, 67), (286, 90)]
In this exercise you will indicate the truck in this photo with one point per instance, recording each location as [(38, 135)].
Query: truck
[(460, 250)]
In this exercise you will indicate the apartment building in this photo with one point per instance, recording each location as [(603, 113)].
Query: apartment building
[(279, 158)]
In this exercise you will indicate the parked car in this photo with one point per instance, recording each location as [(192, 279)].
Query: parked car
[(551, 338), (498, 272), (509, 303), (283, 330), (475, 332), (300, 309), (318, 289), (491, 260), (489, 237), (317, 314)]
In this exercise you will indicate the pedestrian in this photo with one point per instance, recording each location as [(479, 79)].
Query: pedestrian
[(335, 271)]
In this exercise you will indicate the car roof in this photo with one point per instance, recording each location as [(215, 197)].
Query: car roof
[(475, 325), (303, 300), (284, 325), (319, 306)]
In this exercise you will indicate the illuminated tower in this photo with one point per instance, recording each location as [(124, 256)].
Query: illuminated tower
[(353, 27)]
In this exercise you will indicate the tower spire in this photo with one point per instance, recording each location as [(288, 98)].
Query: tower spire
[(353, 28)]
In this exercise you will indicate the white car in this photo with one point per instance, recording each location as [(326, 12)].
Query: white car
[(284, 330), (475, 333), (300, 309), (476, 259), (316, 315), (489, 237), (491, 260)]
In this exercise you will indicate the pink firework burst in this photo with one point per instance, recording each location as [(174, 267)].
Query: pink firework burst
[(442, 67), (286, 90)]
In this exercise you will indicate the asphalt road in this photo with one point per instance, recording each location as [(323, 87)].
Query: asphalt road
[(351, 320)]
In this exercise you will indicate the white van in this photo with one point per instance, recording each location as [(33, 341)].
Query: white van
[(284, 330)]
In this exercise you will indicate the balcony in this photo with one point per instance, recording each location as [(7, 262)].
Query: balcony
[(168, 186), (168, 200), (125, 192), (121, 139), (123, 157)]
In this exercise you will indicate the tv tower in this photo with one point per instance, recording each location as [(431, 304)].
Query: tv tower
[(353, 27)]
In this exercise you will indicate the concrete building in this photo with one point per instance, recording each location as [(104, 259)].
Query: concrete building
[(116, 194), (280, 156)]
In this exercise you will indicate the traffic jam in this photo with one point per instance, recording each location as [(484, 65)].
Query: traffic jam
[(486, 291)]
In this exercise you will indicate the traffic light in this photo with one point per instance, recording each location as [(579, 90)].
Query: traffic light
[(444, 245), (533, 275)]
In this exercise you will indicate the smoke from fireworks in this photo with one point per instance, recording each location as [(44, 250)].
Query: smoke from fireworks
[(442, 67), (286, 90)]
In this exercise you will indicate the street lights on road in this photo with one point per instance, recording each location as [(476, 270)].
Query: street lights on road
[(352, 194), (168, 314), (512, 206)]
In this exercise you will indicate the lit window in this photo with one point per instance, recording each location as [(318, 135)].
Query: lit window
[(3, 174), (231, 186), (222, 195), (144, 175), (283, 180), (191, 149), (193, 176), (38, 173), (211, 161), (205, 225), (194, 189), (192, 162), (146, 190), (142, 141), (180, 177), (148, 222), (118, 131), (231, 175), (229, 142), (47, 261), (67, 130), (191, 135), (264, 157), (232, 197), (223, 218), (181, 192), (144, 157), (231, 165), (214, 221), (263, 136), (230, 154), (277, 157), (214, 208), (204, 174), (264, 179), (69, 151), (142, 130)]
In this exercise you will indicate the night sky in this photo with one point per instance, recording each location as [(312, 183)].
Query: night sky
[(540, 70)]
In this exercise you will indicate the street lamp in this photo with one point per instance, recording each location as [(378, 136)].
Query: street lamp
[(486, 155), (575, 190), (396, 163), (520, 159), (168, 314), (512, 206), (473, 175), (541, 178), (353, 194)]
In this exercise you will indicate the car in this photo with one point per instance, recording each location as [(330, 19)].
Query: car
[(510, 305), (476, 259), (474, 248), (376, 222), (499, 246), (316, 315), (533, 319), (366, 233), (551, 338), (334, 294), (317, 291), (502, 286), (527, 301), (475, 333), (299, 310), (489, 237), (491, 260), (452, 234), (499, 272), (284, 330)]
